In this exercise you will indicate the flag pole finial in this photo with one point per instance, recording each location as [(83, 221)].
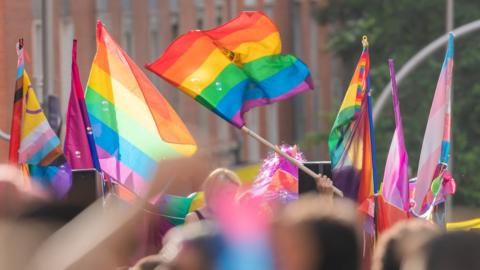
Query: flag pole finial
[(365, 41)]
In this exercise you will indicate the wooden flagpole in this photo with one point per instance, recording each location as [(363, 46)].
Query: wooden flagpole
[(295, 162)]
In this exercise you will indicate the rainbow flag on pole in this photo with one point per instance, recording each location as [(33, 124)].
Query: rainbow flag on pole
[(350, 140), (17, 112), (133, 125), (38, 147), (234, 67), (432, 176)]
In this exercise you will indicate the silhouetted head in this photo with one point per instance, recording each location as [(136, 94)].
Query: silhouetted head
[(401, 241), (194, 246), (318, 233), (449, 251)]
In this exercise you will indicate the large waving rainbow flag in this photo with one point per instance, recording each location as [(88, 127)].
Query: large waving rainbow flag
[(134, 126), (234, 67), (350, 140), (35, 143), (436, 142)]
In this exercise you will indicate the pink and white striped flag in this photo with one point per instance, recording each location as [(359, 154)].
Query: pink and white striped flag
[(436, 141)]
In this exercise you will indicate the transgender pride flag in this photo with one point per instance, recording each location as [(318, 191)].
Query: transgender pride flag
[(436, 141)]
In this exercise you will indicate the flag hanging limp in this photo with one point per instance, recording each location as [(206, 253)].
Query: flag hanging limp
[(433, 180), (393, 202), (133, 125), (350, 142), (34, 142), (79, 144)]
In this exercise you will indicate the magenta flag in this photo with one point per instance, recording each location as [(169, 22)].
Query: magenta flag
[(79, 143), (395, 179)]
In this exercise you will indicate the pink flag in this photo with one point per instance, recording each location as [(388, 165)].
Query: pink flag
[(393, 204), (436, 141), (395, 178), (79, 145)]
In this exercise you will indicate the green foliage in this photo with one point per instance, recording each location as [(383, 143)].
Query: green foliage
[(398, 29)]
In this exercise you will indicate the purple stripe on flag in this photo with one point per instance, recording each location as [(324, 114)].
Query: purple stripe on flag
[(122, 173), (237, 119)]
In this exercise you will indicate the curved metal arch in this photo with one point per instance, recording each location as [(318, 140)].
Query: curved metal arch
[(419, 58)]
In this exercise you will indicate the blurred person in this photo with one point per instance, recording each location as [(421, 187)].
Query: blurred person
[(318, 232), (151, 262), (195, 246), (459, 250), (220, 184), (401, 241), (17, 191), (22, 236)]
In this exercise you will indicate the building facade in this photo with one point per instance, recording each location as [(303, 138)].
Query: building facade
[(144, 28)]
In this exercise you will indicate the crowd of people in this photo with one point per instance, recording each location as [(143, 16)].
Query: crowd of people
[(233, 230)]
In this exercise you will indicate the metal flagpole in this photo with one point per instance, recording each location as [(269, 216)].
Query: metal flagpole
[(449, 27)]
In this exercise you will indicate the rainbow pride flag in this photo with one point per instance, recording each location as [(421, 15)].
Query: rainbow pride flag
[(350, 140), (133, 125), (17, 112), (234, 67), (39, 147), (433, 163)]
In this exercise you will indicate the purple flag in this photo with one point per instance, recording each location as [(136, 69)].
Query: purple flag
[(79, 143), (395, 178)]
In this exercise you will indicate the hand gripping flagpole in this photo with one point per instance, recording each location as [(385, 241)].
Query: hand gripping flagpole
[(295, 162)]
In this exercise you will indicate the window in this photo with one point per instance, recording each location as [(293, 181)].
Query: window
[(37, 58), (250, 3), (66, 29), (65, 8), (152, 5), (102, 11), (174, 6), (127, 29)]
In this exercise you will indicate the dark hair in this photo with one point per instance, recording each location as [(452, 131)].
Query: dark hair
[(400, 241), (331, 227), (202, 237), (336, 244), (454, 250)]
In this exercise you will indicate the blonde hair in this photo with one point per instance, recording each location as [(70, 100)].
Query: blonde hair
[(220, 176)]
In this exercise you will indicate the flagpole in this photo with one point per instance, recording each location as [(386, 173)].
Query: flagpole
[(372, 144), (374, 159), (289, 158)]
